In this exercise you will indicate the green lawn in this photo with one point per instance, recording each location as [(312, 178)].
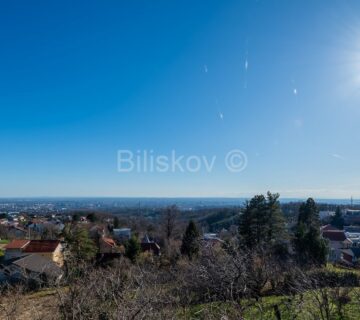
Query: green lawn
[(302, 307)]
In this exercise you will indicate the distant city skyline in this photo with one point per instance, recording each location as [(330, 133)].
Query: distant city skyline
[(279, 81)]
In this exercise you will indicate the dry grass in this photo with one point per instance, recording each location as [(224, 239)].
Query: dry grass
[(35, 306)]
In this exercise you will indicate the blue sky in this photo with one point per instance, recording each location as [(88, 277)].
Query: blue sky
[(279, 80)]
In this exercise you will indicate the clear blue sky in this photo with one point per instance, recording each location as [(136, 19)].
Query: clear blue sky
[(279, 80)]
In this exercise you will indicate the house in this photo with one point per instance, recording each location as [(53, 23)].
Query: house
[(351, 256), (31, 267), (351, 216), (83, 220), (148, 245), (50, 249), (16, 231), (15, 248), (354, 237), (96, 232), (211, 237), (122, 234), (107, 245), (211, 240), (36, 225), (329, 227), (337, 241), (355, 229)]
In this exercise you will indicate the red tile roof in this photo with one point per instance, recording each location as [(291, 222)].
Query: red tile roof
[(17, 244), (329, 227), (334, 235), (42, 246), (109, 241)]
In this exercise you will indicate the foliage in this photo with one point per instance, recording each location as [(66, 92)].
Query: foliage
[(218, 218), (308, 244), (337, 220), (76, 217), (80, 244), (132, 248), (190, 241), (92, 217), (116, 223), (261, 222), (169, 218)]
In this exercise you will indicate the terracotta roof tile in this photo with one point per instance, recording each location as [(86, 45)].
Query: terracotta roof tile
[(334, 235), (42, 246), (329, 227), (17, 244), (109, 241)]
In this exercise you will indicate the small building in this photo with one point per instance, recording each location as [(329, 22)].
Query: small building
[(337, 242), (329, 227), (32, 267), (107, 245), (15, 249), (148, 245), (351, 216), (351, 256), (96, 232), (36, 225), (50, 249), (210, 237), (355, 229), (354, 237), (16, 231)]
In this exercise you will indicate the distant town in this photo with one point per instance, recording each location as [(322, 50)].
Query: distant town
[(44, 241)]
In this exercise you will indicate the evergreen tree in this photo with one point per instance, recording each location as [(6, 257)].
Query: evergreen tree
[(337, 220), (262, 223), (132, 248), (190, 241), (81, 246), (309, 246), (275, 222), (309, 213), (116, 223), (92, 217)]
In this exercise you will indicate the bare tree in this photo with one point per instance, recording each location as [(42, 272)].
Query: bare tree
[(10, 300), (169, 218)]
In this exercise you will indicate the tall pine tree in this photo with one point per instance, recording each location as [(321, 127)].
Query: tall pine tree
[(190, 241), (261, 222), (80, 244), (309, 246), (132, 248), (337, 220)]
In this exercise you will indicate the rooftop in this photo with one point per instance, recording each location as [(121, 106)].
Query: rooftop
[(42, 246), (17, 244), (39, 264), (109, 241), (334, 235)]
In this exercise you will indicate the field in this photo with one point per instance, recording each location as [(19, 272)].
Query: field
[(310, 305)]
